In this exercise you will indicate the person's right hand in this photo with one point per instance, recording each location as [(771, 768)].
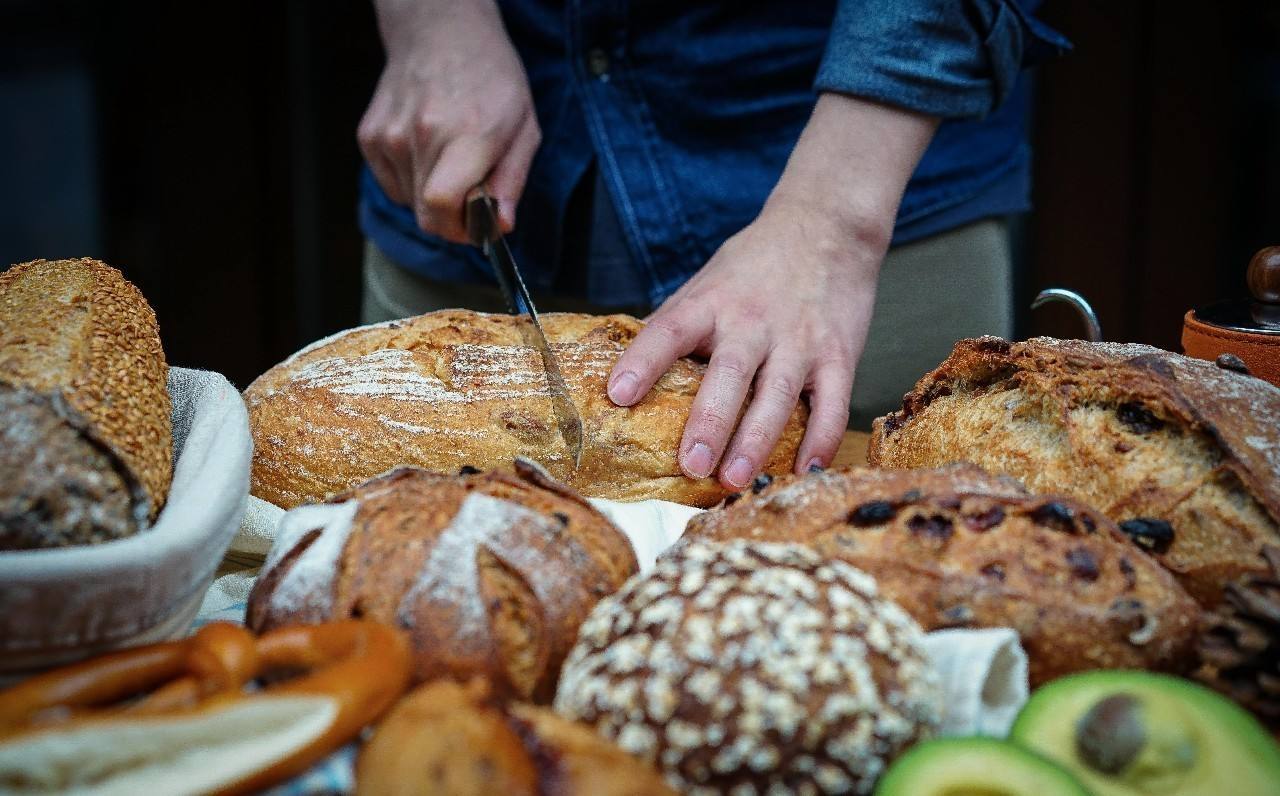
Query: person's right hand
[(451, 109)]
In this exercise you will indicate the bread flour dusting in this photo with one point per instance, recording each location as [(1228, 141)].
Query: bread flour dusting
[(306, 590)]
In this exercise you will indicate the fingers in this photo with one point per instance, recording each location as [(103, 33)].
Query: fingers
[(462, 165), (777, 390), (828, 415), (385, 145), (506, 182), (670, 335), (430, 156), (715, 408)]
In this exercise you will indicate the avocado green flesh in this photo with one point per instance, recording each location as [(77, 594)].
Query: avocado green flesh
[(1198, 742), (975, 767)]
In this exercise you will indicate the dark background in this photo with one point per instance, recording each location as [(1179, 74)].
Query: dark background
[(208, 151)]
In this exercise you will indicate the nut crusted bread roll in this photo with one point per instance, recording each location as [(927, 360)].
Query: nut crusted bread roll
[(754, 668), (489, 574), (85, 439), (957, 547), (1181, 452), (455, 388), (447, 737)]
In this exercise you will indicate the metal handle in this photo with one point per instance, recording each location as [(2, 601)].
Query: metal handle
[(1093, 330)]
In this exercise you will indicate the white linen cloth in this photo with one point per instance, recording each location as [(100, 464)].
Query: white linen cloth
[(983, 672), (63, 604)]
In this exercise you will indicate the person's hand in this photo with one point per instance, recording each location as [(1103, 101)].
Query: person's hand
[(783, 307), (451, 109)]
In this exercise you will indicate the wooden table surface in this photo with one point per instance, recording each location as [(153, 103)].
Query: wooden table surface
[(853, 450)]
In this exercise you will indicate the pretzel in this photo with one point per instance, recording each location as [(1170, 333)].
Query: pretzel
[(361, 667), (219, 657)]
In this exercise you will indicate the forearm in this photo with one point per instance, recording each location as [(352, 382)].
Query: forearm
[(850, 168)]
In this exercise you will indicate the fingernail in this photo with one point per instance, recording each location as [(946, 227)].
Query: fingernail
[(739, 472), (622, 391), (815, 465), (698, 461)]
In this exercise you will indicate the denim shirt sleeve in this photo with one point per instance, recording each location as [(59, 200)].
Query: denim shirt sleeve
[(951, 59)]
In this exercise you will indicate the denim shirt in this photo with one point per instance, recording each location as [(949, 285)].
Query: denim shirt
[(690, 108)]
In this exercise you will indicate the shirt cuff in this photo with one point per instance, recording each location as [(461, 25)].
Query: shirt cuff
[(951, 60)]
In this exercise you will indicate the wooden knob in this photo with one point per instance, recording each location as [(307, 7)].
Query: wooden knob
[(1264, 276)]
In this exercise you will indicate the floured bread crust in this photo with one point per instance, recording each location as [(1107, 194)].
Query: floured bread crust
[(488, 574), (455, 388), (958, 547), (1183, 453)]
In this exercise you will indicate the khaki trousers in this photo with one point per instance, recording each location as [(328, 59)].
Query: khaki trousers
[(932, 292)]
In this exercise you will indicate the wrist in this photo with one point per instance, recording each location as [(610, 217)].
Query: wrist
[(851, 166), (403, 24)]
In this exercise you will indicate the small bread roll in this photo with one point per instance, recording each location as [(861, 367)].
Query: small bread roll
[(446, 737)]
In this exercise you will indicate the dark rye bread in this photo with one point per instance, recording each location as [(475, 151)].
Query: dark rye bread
[(85, 439), (489, 574), (1183, 453), (957, 547), (459, 739), (456, 387), (748, 667)]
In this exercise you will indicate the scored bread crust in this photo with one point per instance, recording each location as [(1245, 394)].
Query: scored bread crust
[(456, 387), (1134, 430), (77, 328), (488, 573), (958, 547)]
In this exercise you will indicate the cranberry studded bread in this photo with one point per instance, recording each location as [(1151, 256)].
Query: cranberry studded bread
[(752, 668), (450, 738), (85, 438), (1184, 454), (455, 388), (489, 574), (957, 547)]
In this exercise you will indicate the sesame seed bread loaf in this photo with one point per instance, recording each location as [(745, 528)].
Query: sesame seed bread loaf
[(753, 668), (456, 387), (488, 573), (957, 547), (1183, 453), (456, 739), (85, 439)]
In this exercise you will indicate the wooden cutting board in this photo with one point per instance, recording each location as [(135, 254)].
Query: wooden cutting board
[(853, 450)]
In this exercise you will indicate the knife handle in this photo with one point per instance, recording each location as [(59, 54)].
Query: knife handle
[(482, 216)]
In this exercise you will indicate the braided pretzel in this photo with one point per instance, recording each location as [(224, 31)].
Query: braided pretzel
[(355, 670)]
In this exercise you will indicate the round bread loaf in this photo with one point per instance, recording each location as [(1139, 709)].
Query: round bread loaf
[(85, 429), (489, 573), (957, 547), (456, 387), (1184, 454), (753, 668), (450, 738)]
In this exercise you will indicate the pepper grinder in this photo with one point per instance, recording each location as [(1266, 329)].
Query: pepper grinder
[(1242, 334)]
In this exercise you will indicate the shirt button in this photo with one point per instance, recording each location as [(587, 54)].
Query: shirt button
[(598, 63)]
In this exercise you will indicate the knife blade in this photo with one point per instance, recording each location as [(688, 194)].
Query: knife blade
[(484, 232)]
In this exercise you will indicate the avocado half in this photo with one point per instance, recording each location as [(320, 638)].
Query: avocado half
[(1128, 733), (975, 767)]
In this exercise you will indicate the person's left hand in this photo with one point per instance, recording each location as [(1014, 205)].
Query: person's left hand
[(783, 307)]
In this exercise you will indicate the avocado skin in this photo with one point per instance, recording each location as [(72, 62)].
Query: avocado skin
[(985, 765), (1247, 759)]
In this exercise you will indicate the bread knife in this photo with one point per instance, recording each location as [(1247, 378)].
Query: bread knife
[(484, 232)]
